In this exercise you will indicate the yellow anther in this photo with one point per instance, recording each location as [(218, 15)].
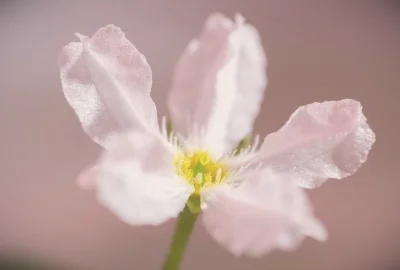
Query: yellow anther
[(208, 178), (188, 174), (185, 163), (204, 158), (199, 169)]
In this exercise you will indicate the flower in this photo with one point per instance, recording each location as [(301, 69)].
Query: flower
[(251, 201)]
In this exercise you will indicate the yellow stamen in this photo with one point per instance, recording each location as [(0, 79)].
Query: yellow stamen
[(204, 158), (200, 169)]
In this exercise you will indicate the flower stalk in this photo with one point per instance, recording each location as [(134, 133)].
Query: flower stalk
[(184, 228)]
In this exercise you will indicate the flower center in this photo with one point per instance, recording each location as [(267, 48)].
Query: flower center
[(200, 169)]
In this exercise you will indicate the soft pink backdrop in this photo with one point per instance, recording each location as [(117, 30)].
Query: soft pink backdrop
[(318, 50)]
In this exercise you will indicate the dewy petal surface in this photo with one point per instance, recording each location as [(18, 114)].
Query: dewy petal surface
[(320, 141), (219, 83), (137, 182), (263, 213), (107, 81)]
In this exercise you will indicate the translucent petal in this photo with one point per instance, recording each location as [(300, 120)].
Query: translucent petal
[(137, 182), (107, 81), (87, 178), (263, 213), (219, 82), (320, 141)]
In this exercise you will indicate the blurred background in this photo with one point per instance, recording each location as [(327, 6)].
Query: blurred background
[(317, 50)]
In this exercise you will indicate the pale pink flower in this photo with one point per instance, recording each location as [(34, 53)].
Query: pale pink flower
[(251, 202)]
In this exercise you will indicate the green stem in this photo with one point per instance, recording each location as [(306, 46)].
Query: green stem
[(184, 228)]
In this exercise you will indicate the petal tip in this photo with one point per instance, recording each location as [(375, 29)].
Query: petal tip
[(87, 179), (218, 19), (240, 19), (81, 37)]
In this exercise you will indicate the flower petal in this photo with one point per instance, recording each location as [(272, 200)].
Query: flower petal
[(107, 81), (137, 182), (87, 178), (219, 83), (320, 141), (263, 213)]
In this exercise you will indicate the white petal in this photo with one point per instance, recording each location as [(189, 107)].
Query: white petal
[(320, 141), (219, 83), (137, 181), (263, 213), (107, 81)]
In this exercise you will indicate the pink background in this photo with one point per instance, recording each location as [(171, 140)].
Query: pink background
[(318, 50)]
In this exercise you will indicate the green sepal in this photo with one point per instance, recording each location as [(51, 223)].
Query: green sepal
[(243, 144), (170, 127)]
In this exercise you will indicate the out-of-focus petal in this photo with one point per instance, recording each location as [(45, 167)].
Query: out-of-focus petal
[(320, 141), (137, 182), (263, 213), (219, 82), (107, 81), (87, 178)]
